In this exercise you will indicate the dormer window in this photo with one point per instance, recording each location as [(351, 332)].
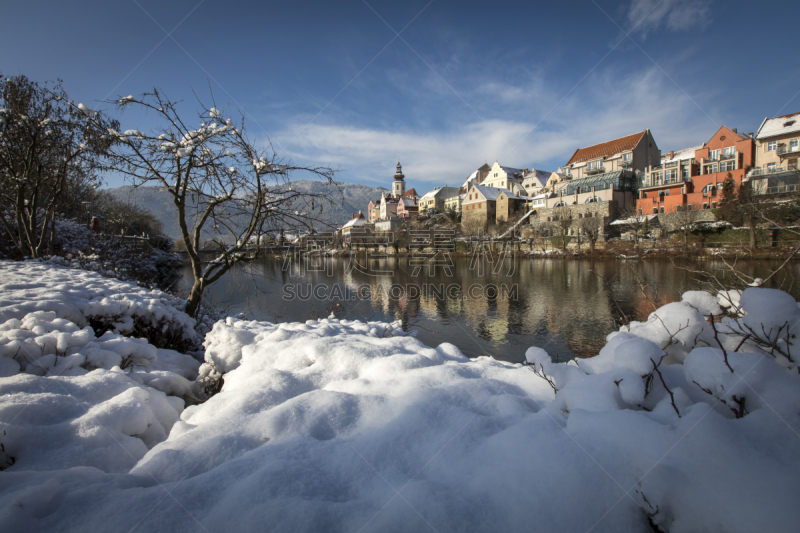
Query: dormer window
[(787, 124), (626, 157)]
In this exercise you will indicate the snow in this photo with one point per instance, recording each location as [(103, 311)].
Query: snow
[(339, 425), (80, 296), (782, 125)]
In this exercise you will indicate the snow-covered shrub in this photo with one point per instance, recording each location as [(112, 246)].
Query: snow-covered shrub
[(89, 299), (151, 262), (224, 344)]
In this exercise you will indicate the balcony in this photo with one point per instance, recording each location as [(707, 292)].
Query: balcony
[(778, 189), (761, 172), (784, 150), (626, 163), (723, 157), (594, 170)]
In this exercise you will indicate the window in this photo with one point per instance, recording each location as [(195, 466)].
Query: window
[(644, 195), (793, 144), (771, 167), (705, 206), (683, 190), (713, 205), (686, 171), (714, 154), (730, 150), (660, 209), (772, 146), (655, 210), (640, 212)]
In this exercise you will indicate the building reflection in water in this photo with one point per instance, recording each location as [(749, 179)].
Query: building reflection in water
[(565, 306)]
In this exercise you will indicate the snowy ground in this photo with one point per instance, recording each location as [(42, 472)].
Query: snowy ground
[(350, 426)]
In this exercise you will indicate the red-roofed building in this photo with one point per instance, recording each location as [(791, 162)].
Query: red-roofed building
[(694, 176), (632, 152)]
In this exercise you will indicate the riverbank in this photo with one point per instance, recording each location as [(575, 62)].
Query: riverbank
[(350, 425)]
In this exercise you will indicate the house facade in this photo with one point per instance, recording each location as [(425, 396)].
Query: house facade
[(435, 200), (777, 154), (534, 181), (501, 177), (632, 152), (454, 203), (508, 206), (357, 220), (407, 208), (480, 204), (694, 176)]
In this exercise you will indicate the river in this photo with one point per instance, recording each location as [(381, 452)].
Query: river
[(500, 308)]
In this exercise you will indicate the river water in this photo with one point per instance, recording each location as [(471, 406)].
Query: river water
[(497, 308)]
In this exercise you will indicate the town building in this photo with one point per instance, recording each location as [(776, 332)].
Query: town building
[(777, 153), (407, 208), (480, 204), (509, 206), (454, 203), (502, 177), (434, 201), (356, 221), (692, 178), (491, 204), (388, 207), (534, 181), (632, 152)]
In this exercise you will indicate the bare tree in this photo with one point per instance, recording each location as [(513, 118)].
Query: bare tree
[(473, 228), (634, 222), (224, 187), (46, 142), (592, 228), (686, 218), (562, 218)]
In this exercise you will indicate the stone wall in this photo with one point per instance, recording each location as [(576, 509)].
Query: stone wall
[(609, 211)]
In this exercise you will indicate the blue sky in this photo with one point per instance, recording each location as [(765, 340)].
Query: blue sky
[(464, 83)]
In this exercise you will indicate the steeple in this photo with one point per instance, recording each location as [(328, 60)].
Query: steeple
[(398, 185), (399, 174)]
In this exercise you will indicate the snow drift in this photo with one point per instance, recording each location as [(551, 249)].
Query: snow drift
[(680, 423)]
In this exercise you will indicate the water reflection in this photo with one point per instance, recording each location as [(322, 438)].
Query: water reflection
[(565, 306)]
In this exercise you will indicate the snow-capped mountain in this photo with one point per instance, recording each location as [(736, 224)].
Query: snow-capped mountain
[(348, 199)]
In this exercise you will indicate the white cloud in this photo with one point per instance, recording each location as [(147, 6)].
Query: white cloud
[(676, 15), (608, 105)]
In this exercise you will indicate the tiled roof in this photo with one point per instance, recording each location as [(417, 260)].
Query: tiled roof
[(606, 149), (410, 193), (777, 126)]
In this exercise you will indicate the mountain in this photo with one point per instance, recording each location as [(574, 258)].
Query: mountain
[(350, 198)]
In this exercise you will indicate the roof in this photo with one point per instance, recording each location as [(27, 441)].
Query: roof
[(540, 176), (490, 193), (407, 202), (681, 155), (511, 170), (410, 193), (772, 127), (606, 149), (359, 221)]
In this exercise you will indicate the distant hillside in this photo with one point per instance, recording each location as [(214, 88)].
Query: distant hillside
[(350, 199)]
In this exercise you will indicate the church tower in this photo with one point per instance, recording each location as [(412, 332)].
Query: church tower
[(398, 185)]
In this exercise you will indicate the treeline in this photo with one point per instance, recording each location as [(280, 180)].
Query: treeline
[(53, 154)]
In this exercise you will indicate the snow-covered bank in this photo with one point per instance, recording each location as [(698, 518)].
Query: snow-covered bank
[(350, 426)]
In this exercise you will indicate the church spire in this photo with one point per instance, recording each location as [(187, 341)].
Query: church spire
[(399, 174)]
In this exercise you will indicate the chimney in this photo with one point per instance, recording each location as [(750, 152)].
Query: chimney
[(735, 130), (671, 154)]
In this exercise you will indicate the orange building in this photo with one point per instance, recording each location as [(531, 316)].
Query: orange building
[(694, 176)]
